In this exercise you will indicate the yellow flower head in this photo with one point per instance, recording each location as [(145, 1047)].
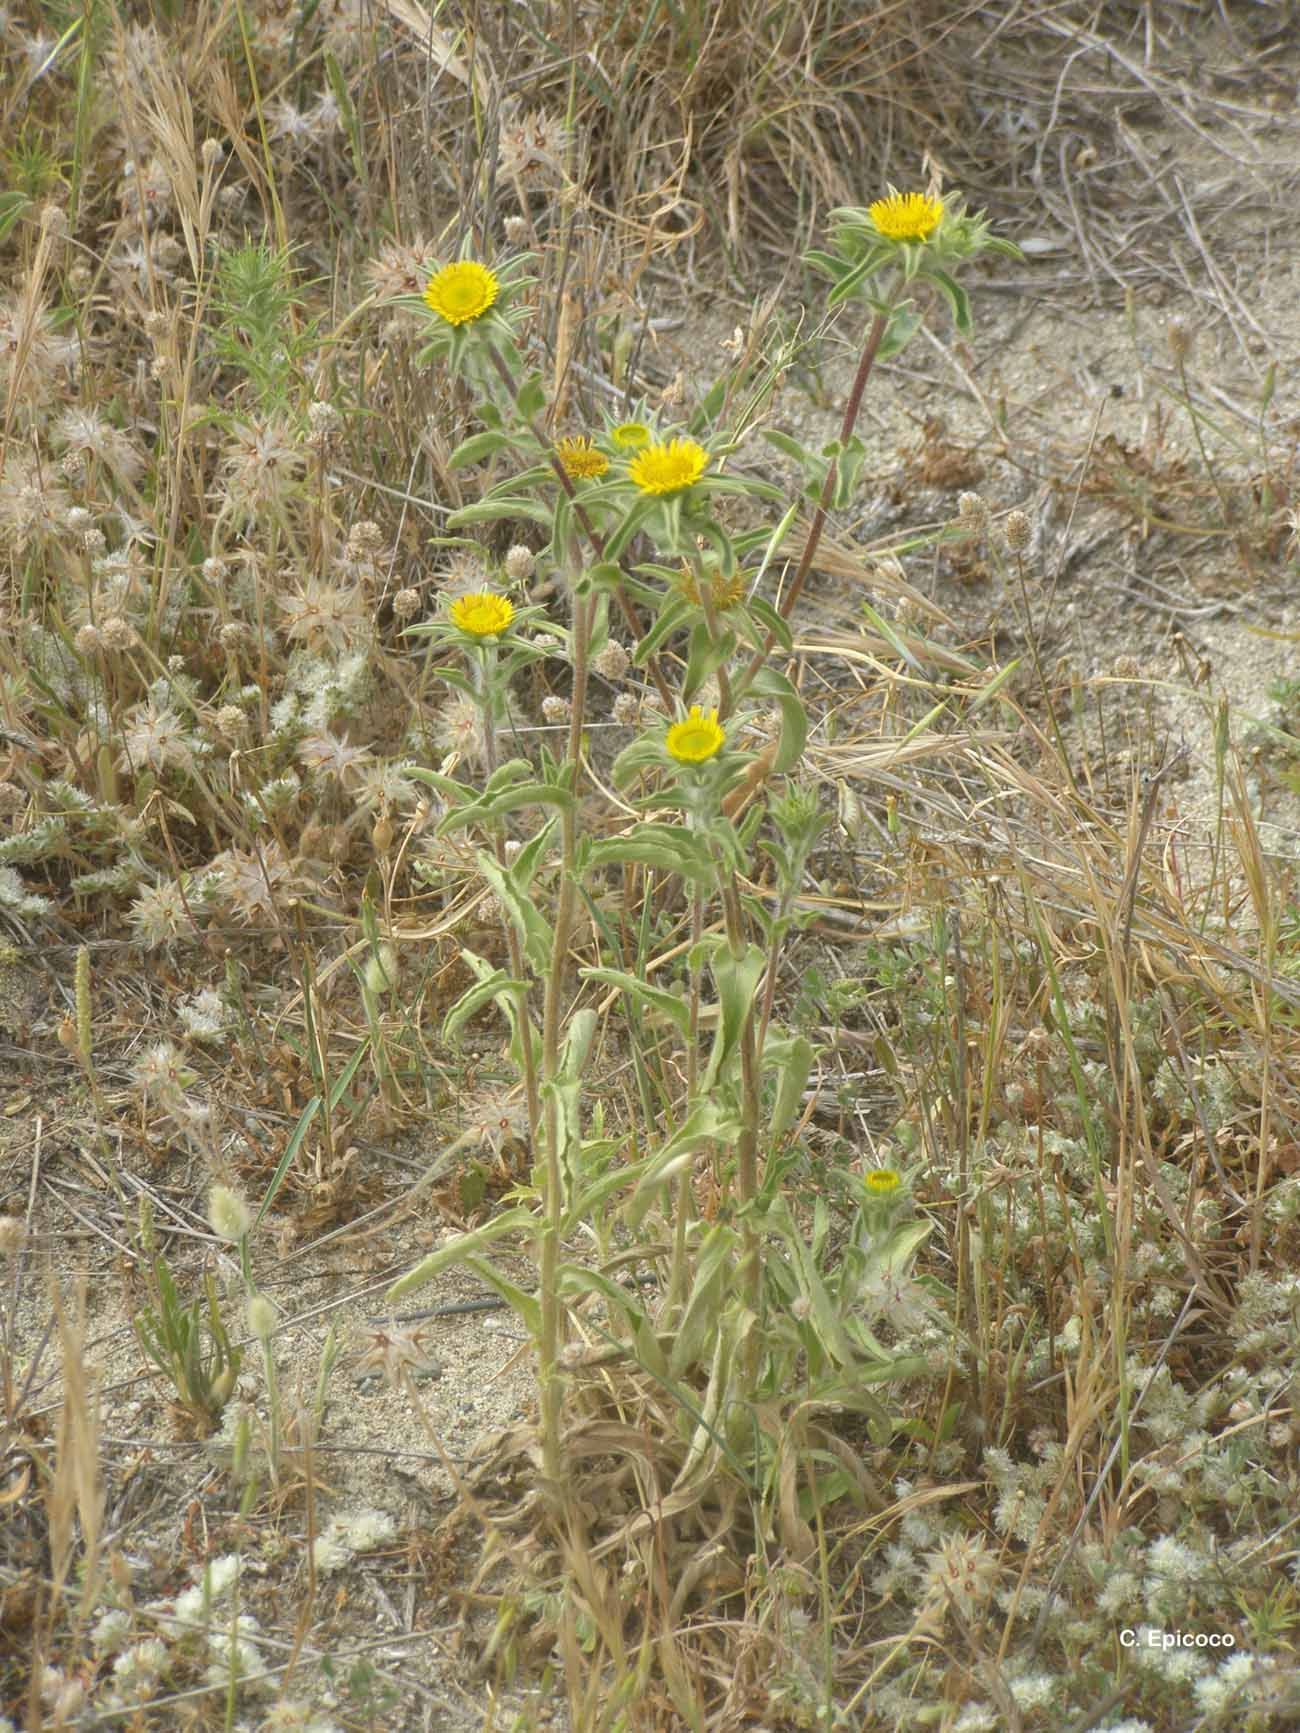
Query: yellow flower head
[(668, 468), (581, 460), (461, 292), (723, 592), (482, 614), (882, 1181), (697, 739), (907, 216), (630, 435)]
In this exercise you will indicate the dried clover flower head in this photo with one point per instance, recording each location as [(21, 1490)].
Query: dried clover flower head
[(396, 1351), (626, 710), (963, 1571), (458, 727), (532, 147), (365, 539), (520, 563), (89, 641), (613, 661), (406, 604), (1018, 530), (496, 1118), (323, 424), (972, 511), (401, 268), (556, 709)]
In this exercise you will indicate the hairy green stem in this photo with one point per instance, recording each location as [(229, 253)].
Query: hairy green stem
[(487, 699), (875, 336), (550, 1390)]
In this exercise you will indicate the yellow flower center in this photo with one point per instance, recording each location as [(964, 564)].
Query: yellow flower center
[(882, 1181), (661, 469), (630, 435), (697, 739), (580, 458), (461, 292), (907, 216), (482, 615)]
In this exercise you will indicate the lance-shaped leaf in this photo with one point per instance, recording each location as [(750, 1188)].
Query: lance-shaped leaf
[(770, 683), (705, 1124), (491, 987), (792, 1057), (520, 1219), (670, 847), (737, 981), (535, 932), (476, 448), (676, 1010)]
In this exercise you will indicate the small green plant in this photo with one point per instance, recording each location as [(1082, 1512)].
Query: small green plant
[(190, 1345)]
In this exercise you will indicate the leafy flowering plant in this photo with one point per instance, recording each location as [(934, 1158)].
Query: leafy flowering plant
[(920, 235)]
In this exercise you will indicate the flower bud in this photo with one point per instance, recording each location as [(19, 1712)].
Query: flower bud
[(229, 1215), (262, 1316)]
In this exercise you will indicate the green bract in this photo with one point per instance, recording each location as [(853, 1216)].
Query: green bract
[(862, 252)]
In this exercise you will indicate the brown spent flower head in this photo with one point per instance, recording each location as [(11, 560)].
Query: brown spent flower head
[(1181, 339), (723, 592)]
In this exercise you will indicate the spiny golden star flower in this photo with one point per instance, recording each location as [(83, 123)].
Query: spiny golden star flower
[(882, 1181), (662, 469), (630, 435), (482, 614), (723, 592), (907, 216), (697, 739), (581, 460), (461, 292)]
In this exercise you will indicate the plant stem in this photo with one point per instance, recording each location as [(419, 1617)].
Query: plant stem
[(549, 1387), (487, 700), (875, 336)]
